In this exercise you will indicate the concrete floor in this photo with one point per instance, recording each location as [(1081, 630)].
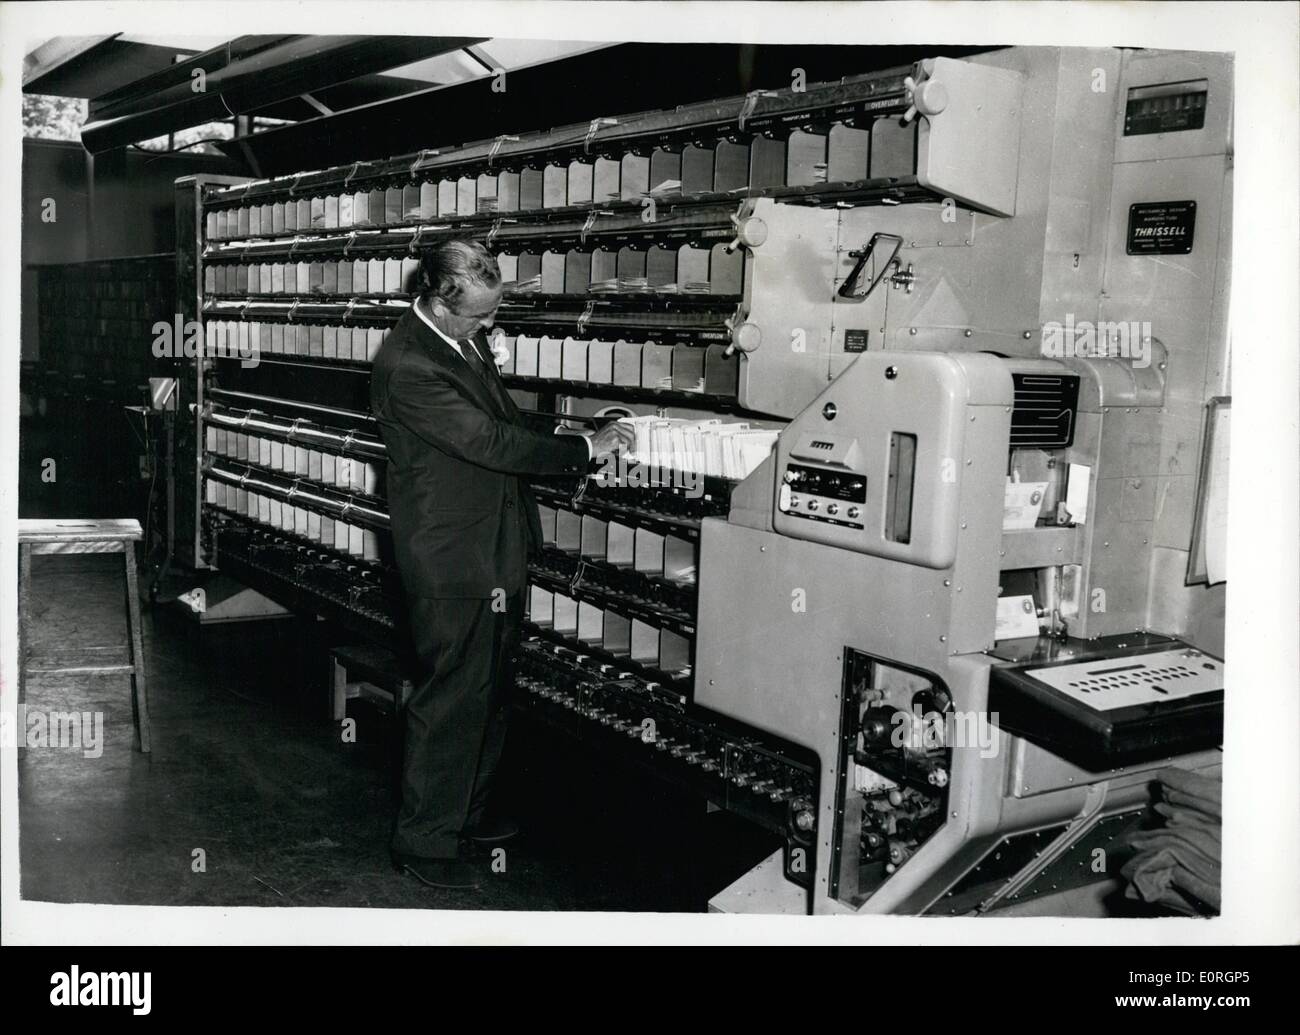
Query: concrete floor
[(248, 768)]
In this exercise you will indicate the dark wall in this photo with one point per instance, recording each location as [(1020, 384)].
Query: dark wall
[(97, 339), (116, 204)]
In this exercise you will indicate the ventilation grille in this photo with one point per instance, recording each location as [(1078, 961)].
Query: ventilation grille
[(1044, 410)]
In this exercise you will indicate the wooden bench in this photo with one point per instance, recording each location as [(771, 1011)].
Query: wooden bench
[(55, 536), (371, 673)]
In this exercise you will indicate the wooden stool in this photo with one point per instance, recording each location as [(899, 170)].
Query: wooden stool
[(371, 673), (77, 537)]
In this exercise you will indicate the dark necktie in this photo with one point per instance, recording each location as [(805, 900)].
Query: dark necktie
[(469, 349)]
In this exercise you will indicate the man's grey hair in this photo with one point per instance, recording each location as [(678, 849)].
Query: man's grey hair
[(446, 271)]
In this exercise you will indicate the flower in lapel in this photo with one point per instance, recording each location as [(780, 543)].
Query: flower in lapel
[(500, 352)]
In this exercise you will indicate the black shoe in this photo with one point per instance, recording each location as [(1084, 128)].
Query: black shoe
[(492, 831), (437, 873)]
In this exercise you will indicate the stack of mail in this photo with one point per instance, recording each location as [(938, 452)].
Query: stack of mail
[(525, 287), (713, 447), (638, 285)]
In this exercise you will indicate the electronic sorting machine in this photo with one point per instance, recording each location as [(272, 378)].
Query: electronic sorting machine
[(923, 576)]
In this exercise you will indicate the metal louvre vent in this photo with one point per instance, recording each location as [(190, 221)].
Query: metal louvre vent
[(1044, 410)]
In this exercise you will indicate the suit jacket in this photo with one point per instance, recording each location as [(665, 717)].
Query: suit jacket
[(463, 520)]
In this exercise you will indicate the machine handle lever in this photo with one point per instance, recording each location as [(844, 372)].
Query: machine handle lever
[(925, 96)]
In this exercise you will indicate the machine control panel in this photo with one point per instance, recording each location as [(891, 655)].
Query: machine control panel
[(1114, 706), (1108, 685), (877, 462), (821, 494)]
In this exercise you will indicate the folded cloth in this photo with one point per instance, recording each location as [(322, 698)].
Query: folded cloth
[(1201, 856), (1196, 784), (1158, 878), (1182, 817), (1179, 864), (1203, 806)]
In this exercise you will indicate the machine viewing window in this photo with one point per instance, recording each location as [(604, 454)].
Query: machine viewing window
[(1166, 108), (902, 475)]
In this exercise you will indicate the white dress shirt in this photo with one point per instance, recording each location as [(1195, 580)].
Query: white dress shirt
[(430, 324), (591, 450)]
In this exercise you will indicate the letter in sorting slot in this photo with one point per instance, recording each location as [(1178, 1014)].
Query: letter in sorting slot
[(805, 159), (605, 180), (634, 174), (508, 192), (581, 182), (730, 167), (697, 170), (466, 196), (665, 170), (660, 266), (553, 271), (555, 186), (487, 193), (577, 272), (531, 189), (766, 163)]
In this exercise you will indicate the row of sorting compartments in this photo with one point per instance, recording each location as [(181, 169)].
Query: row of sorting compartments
[(844, 155), (246, 338), (698, 269), (610, 630), (702, 270), (622, 363), (328, 277), (337, 472), (639, 549), (266, 510)]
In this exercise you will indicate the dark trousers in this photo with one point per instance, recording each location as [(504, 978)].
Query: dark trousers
[(455, 719)]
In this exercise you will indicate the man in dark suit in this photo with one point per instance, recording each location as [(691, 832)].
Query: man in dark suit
[(463, 523)]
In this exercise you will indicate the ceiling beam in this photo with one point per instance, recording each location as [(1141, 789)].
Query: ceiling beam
[(53, 54), (283, 70), (120, 101), (365, 90)]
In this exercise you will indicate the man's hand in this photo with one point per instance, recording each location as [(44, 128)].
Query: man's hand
[(613, 437)]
